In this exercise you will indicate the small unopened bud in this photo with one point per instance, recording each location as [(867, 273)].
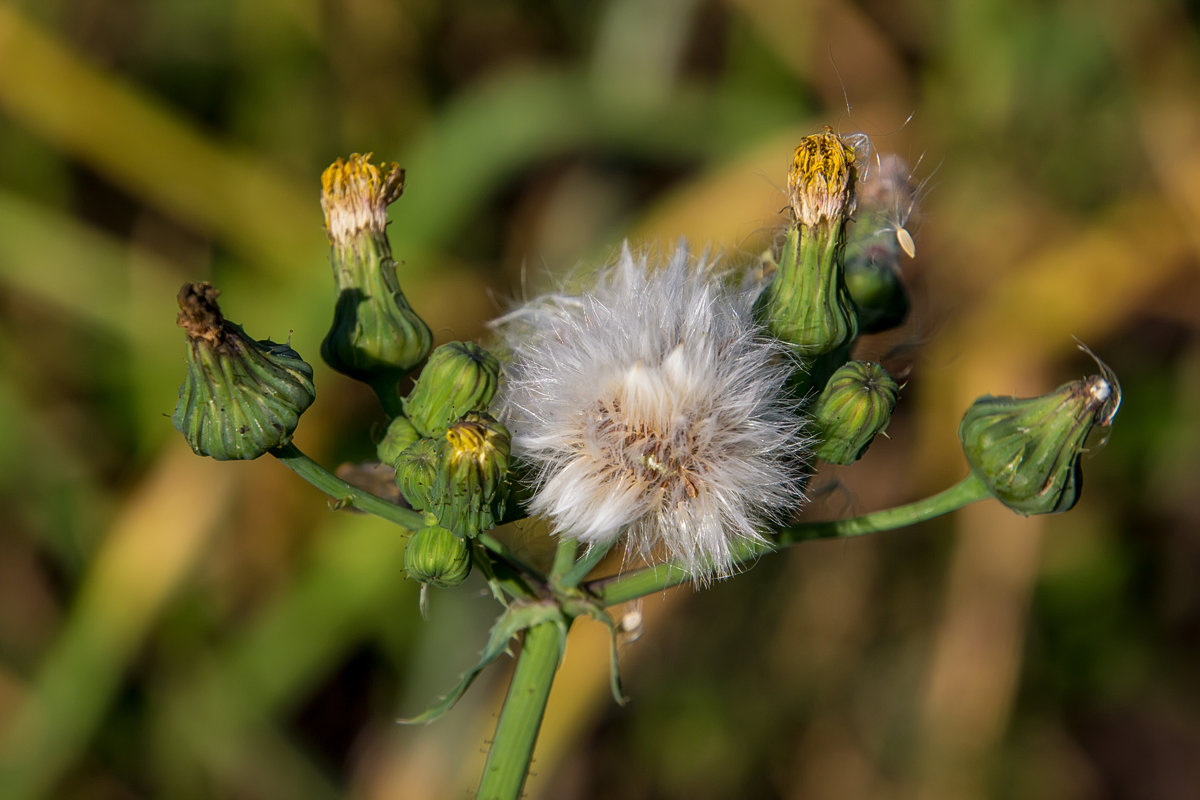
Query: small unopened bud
[(855, 406), (437, 557), (376, 336), (417, 473), (240, 397), (400, 434), (459, 377), (821, 179), (880, 299), (472, 474), (1027, 450)]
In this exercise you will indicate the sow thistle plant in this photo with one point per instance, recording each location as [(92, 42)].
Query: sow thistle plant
[(674, 410)]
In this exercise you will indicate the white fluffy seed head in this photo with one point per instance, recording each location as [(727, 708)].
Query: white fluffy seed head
[(653, 405)]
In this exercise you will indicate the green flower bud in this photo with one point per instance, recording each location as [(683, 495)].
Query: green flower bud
[(240, 397), (807, 303), (459, 377), (400, 434), (1026, 450), (855, 405), (437, 557), (875, 286), (375, 337), (887, 200), (472, 474), (417, 473)]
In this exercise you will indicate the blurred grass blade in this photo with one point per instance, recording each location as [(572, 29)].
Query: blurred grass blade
[(149, 550)]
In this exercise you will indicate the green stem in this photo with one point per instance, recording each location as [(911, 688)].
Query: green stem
[(344, 492), (580, 569), (564, 557), (639, 583), (521, 717)]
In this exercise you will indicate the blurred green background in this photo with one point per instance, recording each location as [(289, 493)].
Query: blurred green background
[(175, 628)]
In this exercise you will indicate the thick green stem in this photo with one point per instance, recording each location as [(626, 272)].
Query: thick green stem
[(344, 492), (564, 558), (521, 717), (663, 576)]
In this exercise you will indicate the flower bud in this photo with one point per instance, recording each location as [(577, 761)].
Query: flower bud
[(1026, 450), (821, 180), (856, 404), (437, 557), (400, 434), (240, 397), (459, 377), (417, 473), (472, 474), (375, 337), (880, 299), (887, 200), (807, 303)]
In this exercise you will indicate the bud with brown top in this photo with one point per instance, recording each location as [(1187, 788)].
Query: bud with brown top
[(240, 397)]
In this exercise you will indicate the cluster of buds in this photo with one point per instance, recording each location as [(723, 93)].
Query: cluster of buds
[(652, 408)]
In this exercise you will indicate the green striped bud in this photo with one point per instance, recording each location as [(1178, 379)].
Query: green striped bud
[(417, 473), (376, 337), (472, 474), (400, 434), (437, 557), (459, 377), (1026, 450), (855, 405), (240, 397)]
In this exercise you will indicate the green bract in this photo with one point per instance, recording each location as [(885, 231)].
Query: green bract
[(855, 406), (240, 397)]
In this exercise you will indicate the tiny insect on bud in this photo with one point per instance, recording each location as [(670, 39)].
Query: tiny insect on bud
[(855, 406), (459, 377), (240, 397), (437, 557), (1027, 450)]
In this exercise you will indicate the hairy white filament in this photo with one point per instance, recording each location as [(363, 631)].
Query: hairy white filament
[(653, 405)]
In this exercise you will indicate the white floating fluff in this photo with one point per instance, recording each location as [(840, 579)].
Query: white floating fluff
[(654, 406)]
